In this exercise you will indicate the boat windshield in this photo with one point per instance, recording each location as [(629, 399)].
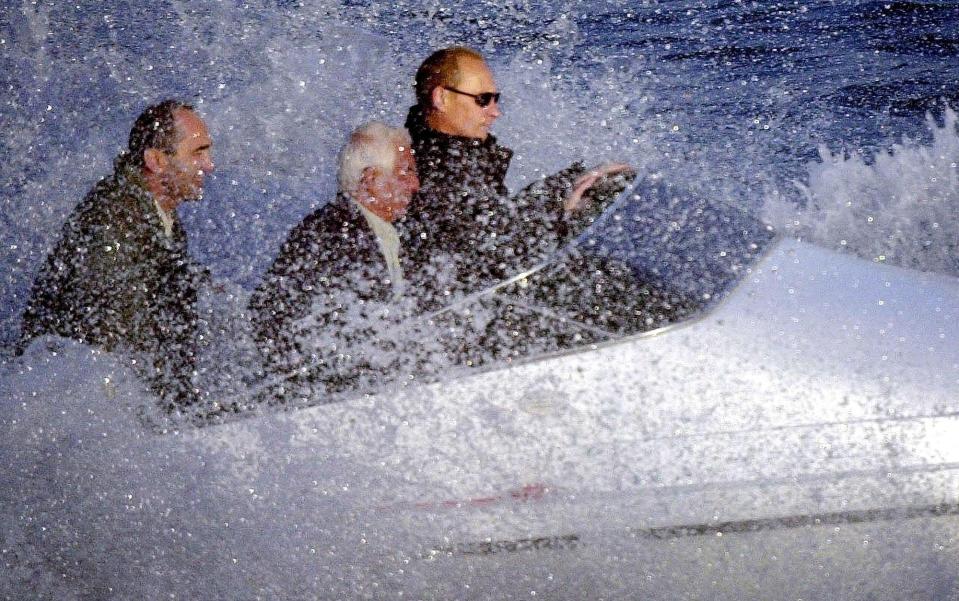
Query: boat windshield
[(655, 257)]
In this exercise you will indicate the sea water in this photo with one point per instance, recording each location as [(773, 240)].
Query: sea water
[(833, 120)]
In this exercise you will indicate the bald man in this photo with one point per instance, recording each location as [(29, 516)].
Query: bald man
[(121, 276)]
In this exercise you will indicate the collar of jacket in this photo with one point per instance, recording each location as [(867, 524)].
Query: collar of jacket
[(129, 180), (128, 176), (342, 219), (348, 212), (427, 140)]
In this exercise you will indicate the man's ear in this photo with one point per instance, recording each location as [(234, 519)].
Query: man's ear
[(366, 185), (438, 98), (154, 160), (368, 175)]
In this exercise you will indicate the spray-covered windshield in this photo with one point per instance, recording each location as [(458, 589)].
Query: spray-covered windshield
[(655, 257), (658, 255)]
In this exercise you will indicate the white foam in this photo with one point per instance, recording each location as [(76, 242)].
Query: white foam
[(898, 206)]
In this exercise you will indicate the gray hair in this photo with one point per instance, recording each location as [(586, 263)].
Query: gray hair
[(371, 145)]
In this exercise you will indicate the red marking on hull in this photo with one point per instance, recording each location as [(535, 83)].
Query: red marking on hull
[(525, 494)]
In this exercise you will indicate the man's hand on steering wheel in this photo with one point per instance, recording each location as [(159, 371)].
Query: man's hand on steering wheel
[(575, 201)]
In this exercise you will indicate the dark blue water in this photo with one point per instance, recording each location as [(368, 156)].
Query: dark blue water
[(850, 74), (744, 101)]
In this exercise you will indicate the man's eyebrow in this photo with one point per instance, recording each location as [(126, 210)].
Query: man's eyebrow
[(204, 147)]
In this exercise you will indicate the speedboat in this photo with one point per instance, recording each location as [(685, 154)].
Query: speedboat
[(763, 385)]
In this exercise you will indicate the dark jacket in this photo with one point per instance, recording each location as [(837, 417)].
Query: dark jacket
[(117, 281), (463, 209), (316, 312), (464, 214)]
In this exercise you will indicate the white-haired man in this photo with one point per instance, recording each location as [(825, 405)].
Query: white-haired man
[(344, 255)]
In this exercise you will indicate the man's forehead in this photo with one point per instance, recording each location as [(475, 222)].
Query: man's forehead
[(190, 124), (472, 65)]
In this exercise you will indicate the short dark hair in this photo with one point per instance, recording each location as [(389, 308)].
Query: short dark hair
[(440, 69), (154, 128)]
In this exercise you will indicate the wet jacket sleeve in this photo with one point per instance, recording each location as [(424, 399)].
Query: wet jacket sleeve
[(540, 207)]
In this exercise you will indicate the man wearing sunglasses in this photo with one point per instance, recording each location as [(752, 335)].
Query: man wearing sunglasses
[(463, 209)]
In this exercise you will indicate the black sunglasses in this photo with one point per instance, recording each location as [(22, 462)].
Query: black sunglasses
[(483, 99)]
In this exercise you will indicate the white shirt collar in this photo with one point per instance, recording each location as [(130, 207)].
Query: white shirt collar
[(389, 242), (166, 218)]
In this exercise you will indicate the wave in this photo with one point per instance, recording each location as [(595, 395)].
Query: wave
[(898, 206), (904, 96), (733, 53), (923, 44)]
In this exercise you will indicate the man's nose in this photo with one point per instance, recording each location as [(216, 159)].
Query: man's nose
[(493, 109)]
